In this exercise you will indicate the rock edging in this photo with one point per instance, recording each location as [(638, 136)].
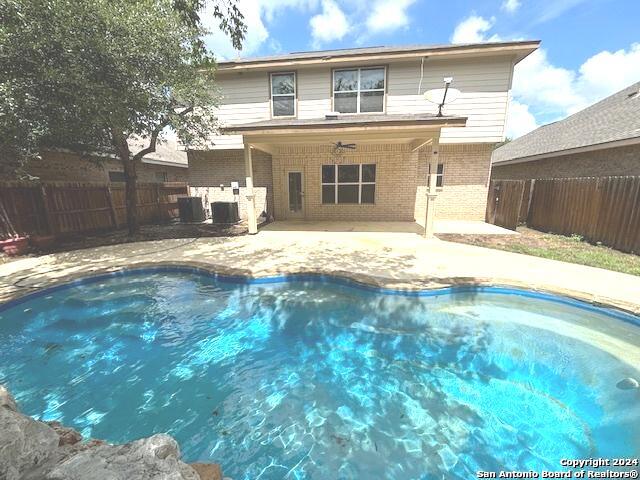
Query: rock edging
[(30, 450)]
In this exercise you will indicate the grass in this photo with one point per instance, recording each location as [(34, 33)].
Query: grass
[(571, 249)]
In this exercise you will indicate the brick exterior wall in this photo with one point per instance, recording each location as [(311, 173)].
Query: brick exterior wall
[(465, 183), (613, 161), (392, 198), (401, 179), (71, 167), (208, 169)]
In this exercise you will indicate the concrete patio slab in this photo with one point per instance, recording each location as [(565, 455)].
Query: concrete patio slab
[(467, 227), (394, 259)]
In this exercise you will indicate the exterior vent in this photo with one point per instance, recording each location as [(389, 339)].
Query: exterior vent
[(332, 115)]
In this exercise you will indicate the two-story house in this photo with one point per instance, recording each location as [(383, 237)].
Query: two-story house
[(348, 134)]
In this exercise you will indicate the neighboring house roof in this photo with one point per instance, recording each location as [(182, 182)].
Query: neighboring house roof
[(345, 121), (520, 49), (168, 153), (614, 121)]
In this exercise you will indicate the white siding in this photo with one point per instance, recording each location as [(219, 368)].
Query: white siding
[(314, 92), (244, 98), (484, 86)]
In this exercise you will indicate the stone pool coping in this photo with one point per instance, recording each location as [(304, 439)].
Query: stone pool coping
[(417, 285), (405, 267)]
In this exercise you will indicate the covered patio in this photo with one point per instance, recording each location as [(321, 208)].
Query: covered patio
[(390, 146)]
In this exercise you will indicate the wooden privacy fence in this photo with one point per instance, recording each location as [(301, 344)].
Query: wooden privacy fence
[(600, 209), (65, 208), (504, 202)]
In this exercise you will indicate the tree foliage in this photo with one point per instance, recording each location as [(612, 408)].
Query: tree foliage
[(89, 74)]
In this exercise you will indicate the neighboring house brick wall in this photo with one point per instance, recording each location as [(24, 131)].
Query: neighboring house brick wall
[(208, 169), (71, 167), (613, 161)]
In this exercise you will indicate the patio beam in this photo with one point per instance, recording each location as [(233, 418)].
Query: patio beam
[(431, 191), (263, 148), (259, 140), (252, 222), (418, 143)]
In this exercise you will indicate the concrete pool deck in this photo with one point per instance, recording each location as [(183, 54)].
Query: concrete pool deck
[(399, 259)]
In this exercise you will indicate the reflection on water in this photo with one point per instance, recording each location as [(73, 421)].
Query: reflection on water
[(313, 380)]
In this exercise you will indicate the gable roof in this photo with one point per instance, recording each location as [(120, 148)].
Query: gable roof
[(614, 119), (519, 49)]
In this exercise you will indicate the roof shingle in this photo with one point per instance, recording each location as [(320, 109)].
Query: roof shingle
[(615, 118)]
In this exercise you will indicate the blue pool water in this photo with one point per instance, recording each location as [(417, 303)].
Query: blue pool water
[(322, 380)]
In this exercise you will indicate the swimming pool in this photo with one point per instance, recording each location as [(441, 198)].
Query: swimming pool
[(319, 378)]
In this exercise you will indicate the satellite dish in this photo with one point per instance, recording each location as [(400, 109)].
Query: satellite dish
[(437, 95)]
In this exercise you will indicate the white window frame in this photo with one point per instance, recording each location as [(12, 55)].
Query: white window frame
[(336, 183), (295, 94), (359, 91), (439, 176)]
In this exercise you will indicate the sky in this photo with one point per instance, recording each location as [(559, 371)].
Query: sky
[(590, 48)]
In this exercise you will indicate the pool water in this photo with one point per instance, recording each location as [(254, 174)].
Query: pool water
[(313, 379)]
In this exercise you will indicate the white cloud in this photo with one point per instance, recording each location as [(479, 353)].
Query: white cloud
[(551, 93), (520, 120), (256, 13), (473, 30), (329, 25), (543, 92), (607, 72), (550, 88), (388, 15), (510, 5)]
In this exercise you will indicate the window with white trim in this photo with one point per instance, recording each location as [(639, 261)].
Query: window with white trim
[(283, 94), (439, 175), (359, 90), (348, 184)]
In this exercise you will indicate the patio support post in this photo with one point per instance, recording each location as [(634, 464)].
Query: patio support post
[(431, 192), (251, 204)]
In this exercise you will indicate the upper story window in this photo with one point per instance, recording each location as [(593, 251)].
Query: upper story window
[(283, 94), (359, 90)]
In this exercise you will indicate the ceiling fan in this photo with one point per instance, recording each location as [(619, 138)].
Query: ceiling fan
[(351, 146)]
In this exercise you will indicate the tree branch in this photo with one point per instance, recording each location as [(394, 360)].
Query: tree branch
[(154, 135)]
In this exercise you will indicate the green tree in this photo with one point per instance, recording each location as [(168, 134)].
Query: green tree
[(89, 74)]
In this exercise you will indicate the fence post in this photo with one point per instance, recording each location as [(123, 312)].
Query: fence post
[(112, 208), (527, 219), (53, 230), (159, 207)]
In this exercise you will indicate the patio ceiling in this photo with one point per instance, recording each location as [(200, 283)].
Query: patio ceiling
[(415, 129)]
